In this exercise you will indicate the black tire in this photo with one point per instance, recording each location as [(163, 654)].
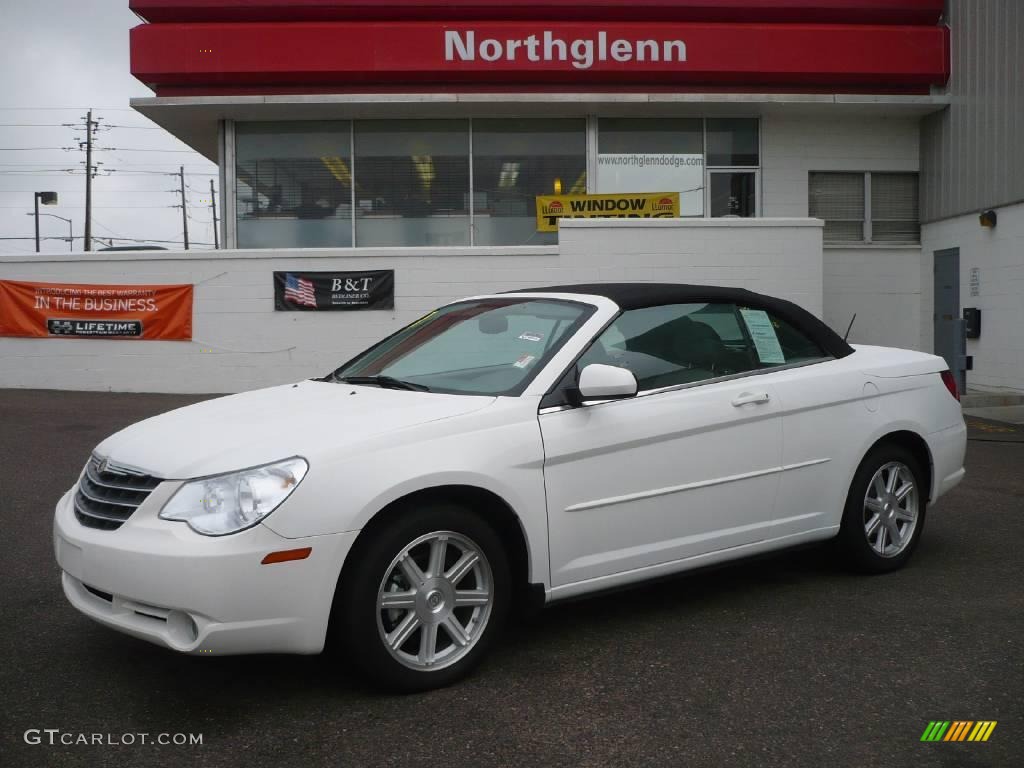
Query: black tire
[(359, 626), (859, 551)]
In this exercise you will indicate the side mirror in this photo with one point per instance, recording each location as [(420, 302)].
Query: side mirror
[(604, 382)]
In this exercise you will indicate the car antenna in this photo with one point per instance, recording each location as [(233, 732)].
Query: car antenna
[(847, 334)]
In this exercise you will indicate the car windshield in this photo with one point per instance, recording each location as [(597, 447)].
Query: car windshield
[(483, 347)]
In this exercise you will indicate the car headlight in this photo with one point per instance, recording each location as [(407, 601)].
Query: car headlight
[(215, 506)]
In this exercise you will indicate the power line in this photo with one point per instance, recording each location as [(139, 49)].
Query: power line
[(123, 239), (145, 149), (66, 109)]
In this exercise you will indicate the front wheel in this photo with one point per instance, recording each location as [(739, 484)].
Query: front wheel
[(885, 510), (423, 599)]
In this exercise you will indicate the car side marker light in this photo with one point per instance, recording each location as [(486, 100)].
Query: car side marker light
[(286, 555)]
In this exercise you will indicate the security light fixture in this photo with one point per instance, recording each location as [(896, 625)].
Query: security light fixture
[(988, 219)]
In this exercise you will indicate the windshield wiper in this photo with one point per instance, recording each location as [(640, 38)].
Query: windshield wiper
[(386, 382)]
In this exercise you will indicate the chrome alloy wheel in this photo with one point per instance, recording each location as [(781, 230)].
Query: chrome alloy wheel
[(434, 601), (890, 509)]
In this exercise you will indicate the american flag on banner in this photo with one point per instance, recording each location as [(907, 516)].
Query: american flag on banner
[(299, 291)]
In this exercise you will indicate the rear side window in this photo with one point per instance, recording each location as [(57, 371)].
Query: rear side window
[(677, 344), (775, 341)]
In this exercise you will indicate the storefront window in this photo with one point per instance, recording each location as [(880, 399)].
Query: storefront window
[(406, 183), (412, 182), (732, 193), (513, 162), (732, 142), (293, 185), (647, 155)]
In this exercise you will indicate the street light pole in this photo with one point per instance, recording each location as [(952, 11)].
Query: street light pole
[(71, 232), (47, 198)]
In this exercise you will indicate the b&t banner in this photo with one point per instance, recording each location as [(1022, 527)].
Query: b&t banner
[(321, 291)]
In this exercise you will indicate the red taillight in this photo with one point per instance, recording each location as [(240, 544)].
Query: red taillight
[(950, 381)]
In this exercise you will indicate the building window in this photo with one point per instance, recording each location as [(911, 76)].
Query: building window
[(842, 200), (293, 184), (441, 182), (838, 199), (412, 182), (732, 193), (733, 142), (642, 155), (894, 214), (513, 162)]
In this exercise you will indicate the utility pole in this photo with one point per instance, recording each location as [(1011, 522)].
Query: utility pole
[(88, 180), (184, 204), (213, 209)]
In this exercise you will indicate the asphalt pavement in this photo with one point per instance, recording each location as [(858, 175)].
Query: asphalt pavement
[(784, 661)]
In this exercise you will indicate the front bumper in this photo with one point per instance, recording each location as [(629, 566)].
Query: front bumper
[(162, 582)]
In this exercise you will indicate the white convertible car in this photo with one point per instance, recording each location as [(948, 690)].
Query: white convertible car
[(534, 445)]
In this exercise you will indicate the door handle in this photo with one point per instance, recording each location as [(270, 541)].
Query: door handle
[(750, 397)]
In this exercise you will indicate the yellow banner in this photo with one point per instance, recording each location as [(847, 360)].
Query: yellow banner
[(631, 205)]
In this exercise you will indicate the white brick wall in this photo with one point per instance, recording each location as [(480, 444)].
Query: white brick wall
[(241, 343), (781, 257), (882, 286), (999, 255)]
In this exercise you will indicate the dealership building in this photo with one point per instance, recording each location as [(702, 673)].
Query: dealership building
[(859, 156)]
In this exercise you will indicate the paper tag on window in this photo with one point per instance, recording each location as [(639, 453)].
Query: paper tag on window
[(531, 336), (524, 360), (763, 334)]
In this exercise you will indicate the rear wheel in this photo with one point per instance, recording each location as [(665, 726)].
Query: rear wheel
[(423, 599), (885, 510)]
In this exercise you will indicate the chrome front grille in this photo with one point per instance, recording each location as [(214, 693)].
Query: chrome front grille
[(107, 494)]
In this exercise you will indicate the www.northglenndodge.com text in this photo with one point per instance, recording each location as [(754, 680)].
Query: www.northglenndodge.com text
[(583, 53)]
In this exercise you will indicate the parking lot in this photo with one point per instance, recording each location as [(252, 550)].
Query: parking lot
[(788, 660)]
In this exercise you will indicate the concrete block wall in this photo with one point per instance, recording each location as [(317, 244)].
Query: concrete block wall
[(999, 256), (241, 343), (781, 257), (882, 286)]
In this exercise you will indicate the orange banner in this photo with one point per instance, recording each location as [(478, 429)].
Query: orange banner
[(77, 311)]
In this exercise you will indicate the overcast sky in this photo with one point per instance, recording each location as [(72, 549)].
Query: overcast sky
[(60, 57)]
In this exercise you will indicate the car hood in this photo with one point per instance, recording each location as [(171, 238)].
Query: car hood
[(253, 428)]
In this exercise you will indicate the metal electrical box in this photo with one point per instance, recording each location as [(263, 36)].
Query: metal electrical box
[(972, 322)]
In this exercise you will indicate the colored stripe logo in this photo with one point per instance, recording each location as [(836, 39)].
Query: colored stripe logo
[(958, 730)]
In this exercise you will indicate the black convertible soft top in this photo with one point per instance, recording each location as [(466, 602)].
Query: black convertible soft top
[(641, 295)]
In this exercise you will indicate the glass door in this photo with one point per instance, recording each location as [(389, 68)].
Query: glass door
[(732, 193)]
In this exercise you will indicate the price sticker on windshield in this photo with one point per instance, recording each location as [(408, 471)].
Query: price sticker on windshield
[(524, 360), (762, 332)]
